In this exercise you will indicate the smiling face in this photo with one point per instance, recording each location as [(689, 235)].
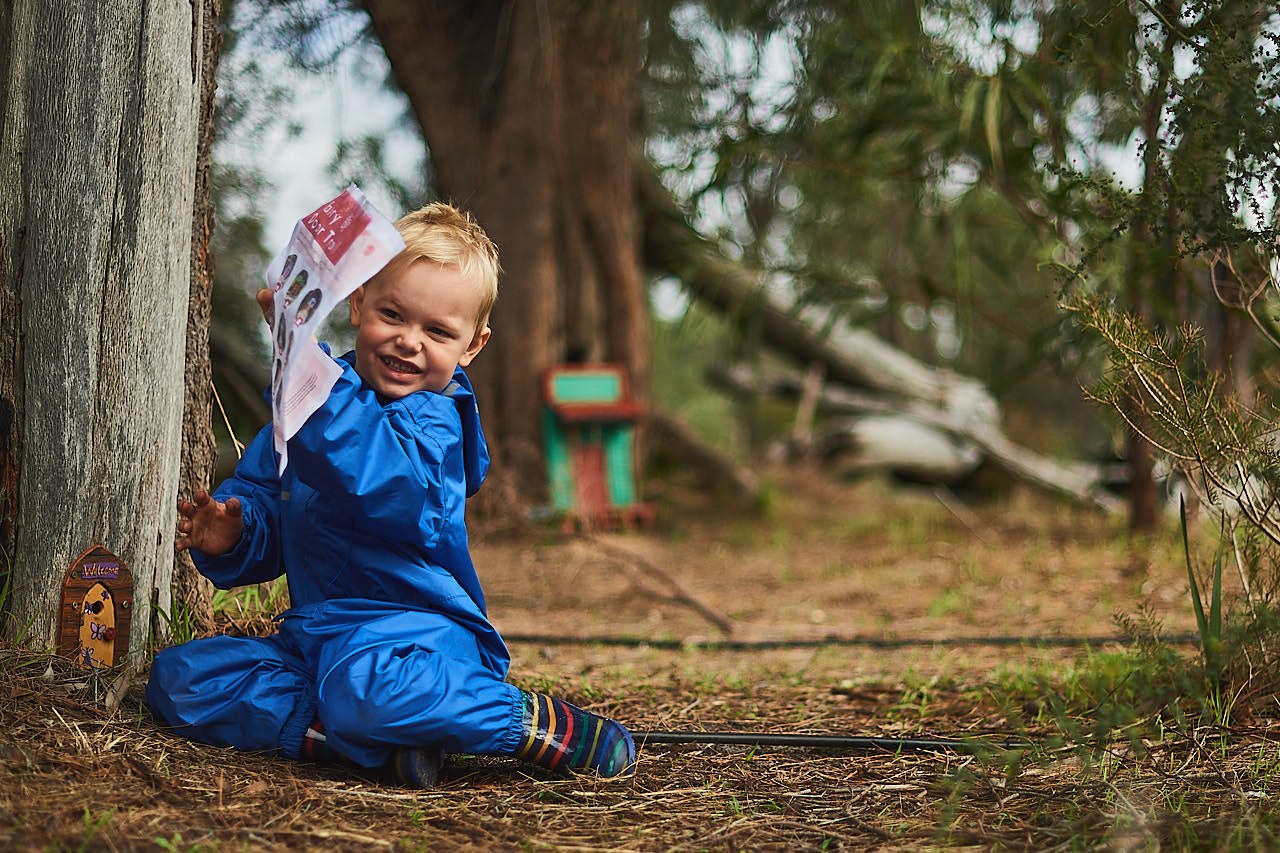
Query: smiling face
[(416, 324)]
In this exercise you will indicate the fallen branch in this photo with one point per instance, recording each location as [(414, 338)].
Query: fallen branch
[(1080, 481), (888, 379)]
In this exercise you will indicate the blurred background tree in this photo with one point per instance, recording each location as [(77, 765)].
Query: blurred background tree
[(927, 171), (1192, 340)]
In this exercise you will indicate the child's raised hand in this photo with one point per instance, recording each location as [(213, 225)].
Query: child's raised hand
[(209, 525), (267, 305)]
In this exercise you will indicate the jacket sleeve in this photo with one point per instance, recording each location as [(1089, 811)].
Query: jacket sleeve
[(384, 466), (256, 558)]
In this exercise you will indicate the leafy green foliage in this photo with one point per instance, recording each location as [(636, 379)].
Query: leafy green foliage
[(1225, 453), (683, 350), (901, 164), (1211, 436), (1203, 99)]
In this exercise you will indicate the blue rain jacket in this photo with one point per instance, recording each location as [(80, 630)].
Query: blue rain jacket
[(387, 640)]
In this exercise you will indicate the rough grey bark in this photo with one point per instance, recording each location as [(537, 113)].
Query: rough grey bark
[(97, 174)]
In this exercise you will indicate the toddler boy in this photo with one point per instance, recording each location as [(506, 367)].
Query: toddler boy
[(386, 658)]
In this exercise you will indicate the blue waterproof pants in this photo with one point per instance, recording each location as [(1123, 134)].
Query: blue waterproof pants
[(376, 677)]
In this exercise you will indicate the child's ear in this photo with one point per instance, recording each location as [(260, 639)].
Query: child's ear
[(356, 301), (477, 344)]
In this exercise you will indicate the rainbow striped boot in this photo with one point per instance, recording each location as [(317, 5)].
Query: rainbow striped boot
[(564, 738)]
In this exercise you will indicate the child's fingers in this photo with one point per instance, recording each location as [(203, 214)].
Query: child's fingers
[(266, 303), (205, 521), (199, 499), (184, 526)]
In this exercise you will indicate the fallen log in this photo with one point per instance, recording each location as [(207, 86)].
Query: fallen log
[(1082, 482), (896, 443), (809, 334), (881, 378)]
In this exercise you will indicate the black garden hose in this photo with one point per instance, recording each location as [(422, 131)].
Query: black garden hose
[(845, 742), (870, 642)]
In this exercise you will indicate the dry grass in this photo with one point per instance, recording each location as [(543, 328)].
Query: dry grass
[(79, 772)]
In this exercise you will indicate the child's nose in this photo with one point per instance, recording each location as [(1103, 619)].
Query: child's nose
[(410, 341)]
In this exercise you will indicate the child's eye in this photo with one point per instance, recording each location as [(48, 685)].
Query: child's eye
[(389, 314)]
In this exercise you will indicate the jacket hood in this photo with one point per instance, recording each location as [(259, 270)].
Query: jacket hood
[(475, 450)]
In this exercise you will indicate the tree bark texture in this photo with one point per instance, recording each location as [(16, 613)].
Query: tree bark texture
[(529, 111), (191, 590), (99, 117)]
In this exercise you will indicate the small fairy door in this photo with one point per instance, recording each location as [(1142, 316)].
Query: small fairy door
[(98, 627), (97, 602)]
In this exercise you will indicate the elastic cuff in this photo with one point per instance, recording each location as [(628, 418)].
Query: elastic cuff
[(295, 729), (515, 733)]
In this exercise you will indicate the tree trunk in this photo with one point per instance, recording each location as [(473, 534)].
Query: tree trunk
[(97, 174), (193, 593), (1149, 261), (529, 112)]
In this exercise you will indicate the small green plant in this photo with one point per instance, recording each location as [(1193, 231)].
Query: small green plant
[(539, 683), (175, 844), (93, 825), (263, 599), (767, 498), (946, 602), (180, 625), (1209, 625), (910, 530)]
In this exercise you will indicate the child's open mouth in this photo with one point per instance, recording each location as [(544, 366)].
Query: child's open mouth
[(395, 365)]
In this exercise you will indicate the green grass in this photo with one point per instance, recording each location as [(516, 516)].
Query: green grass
[(264, 599), (93, 826), (946, 602)]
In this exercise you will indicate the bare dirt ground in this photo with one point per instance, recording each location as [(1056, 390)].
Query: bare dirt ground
[(839, 609)]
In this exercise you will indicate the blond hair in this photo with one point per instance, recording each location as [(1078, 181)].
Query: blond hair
[(441, 233)]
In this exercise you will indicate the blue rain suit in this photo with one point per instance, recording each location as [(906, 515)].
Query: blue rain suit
[(387, 641)]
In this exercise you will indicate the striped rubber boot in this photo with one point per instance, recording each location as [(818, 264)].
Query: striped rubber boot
[(564, 738)]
